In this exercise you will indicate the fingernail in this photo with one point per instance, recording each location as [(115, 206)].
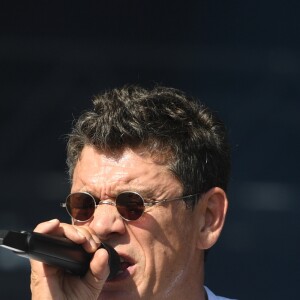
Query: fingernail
[(80, 234), (93, 244), (96, 239)]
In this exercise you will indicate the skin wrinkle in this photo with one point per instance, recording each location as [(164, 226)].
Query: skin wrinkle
[(122, 181), (173, 284), (178, 280), (150, 241), (163, 144), (155, 280)]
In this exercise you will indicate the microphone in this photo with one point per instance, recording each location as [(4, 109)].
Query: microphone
[(56, 251)]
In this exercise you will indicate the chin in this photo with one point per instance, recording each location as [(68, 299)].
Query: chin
[(118, 295)]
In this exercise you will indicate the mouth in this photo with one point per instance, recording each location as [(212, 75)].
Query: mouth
[(126, 266)]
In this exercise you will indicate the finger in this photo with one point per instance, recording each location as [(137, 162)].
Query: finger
[(99, 269), (55, 227), (47, 227), (83, 235), (78, 234), (92, 241)]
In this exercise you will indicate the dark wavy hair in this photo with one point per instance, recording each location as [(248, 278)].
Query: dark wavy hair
[(174, 128)]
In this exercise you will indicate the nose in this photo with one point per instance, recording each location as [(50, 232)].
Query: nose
[(107, 221)]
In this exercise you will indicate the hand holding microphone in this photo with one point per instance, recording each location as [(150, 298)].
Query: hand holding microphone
[(55, 251), (70, 265)]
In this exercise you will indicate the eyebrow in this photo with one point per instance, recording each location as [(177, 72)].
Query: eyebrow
[(144, 192)]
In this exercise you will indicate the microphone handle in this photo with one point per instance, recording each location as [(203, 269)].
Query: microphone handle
[(56, 251)]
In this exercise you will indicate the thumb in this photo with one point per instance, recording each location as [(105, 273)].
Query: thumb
[(99, 270)]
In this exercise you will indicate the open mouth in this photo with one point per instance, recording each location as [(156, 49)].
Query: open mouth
[(124, 264), (124, 271)]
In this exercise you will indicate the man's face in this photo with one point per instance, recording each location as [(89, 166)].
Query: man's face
[(159, 249)]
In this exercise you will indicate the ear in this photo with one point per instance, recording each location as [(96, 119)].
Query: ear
[(211, 211)]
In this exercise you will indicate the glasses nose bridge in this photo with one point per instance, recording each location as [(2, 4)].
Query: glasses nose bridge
[(108, 202), (103, 212)]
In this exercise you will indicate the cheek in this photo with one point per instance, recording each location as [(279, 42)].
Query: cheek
[(167, 230)]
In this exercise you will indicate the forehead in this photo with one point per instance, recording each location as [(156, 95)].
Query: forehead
[(132, 169)]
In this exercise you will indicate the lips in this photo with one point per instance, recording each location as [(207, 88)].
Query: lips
[(125, 264)]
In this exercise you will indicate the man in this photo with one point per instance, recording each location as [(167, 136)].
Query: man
[(149, 171)]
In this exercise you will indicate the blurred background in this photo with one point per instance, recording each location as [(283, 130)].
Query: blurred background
[(241, 58)]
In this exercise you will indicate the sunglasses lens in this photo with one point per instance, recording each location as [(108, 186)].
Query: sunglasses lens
[(80, 206), (130, 205)]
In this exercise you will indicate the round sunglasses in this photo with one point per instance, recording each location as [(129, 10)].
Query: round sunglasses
[(130, 205)]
